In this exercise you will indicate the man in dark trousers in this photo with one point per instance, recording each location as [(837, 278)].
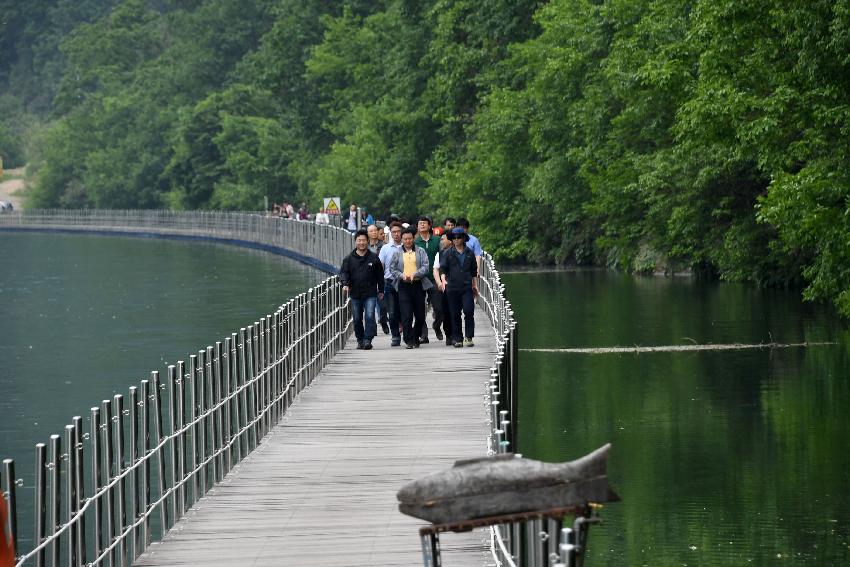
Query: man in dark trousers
[(430, 242), (458, 278), (362, 277)]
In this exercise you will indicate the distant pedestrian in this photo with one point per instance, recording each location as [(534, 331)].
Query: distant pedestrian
[(362, 277), (473, 242), (322, 217), (409, 268), (391, 304), (376, 242), (444, 299), (448, 225), (458, 276), (351, 222), (390, 221), (426, 240), (302, 212)]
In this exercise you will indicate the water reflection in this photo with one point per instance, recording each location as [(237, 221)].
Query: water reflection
[(721, 457)]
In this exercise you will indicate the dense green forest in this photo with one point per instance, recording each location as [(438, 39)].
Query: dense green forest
[(702, 135)]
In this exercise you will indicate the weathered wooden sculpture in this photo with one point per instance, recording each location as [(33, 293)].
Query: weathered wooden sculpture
[(506, 484)]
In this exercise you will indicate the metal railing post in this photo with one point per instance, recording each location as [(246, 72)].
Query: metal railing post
[(120, 465), (96, 445), (109, 505), (55, 496), (135, 498), (156, 401), (40, 501)]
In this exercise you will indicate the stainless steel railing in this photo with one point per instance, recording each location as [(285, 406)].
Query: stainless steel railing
[(531, 539), (321, 245), (506, 540), (102, 495)]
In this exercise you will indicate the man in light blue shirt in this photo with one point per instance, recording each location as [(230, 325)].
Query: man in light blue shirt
[(391, 306)]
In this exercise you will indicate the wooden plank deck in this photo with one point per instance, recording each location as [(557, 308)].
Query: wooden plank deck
[(320, 489)]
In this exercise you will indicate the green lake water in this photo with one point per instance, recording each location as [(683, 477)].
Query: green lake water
[(84, 317), (736, 457)]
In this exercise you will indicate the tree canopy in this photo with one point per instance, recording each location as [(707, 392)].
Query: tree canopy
[(648, 135)]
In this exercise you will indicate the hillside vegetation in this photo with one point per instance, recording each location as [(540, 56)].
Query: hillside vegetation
[(669, 135)]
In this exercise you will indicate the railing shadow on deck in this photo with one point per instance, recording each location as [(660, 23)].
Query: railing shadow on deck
[(144, 464)]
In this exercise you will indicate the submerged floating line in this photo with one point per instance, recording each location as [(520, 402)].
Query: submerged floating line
[(674, 348)]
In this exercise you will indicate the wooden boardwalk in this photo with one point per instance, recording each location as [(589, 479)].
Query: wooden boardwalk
[(320, 489)]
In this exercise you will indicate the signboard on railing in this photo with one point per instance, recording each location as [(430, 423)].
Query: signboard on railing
[(332, 205)]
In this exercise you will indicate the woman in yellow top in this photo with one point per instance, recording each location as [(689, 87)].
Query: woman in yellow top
[(409, 268)]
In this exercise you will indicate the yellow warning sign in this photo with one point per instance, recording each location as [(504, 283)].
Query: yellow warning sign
[(332, 205)]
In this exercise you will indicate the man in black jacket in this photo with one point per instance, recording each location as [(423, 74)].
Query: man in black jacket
[(362, 277), (458, 279)]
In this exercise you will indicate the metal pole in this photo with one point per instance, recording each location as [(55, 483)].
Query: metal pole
[(514, 389), (227, 427), (218, 436), (106, 408), (96, 446), (156, 400), (71, 502), (144, 425), (181, 454), (173, 384), (193, 445), (55, 496), (201, 426), (11, 501), (134, 548), (250, 400), (262, 424), (235, 364), (243, 379), (286, 341), (425, 541), (40, 501), (256, 389), (553, 531), (120, 465), (79, 479)]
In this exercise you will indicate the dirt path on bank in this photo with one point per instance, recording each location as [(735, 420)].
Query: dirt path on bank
[(11, 190)]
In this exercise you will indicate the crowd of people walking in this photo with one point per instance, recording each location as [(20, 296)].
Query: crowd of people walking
[(392, 276)]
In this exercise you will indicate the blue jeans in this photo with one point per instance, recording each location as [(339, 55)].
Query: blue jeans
[(392, 306), (359, 306)]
